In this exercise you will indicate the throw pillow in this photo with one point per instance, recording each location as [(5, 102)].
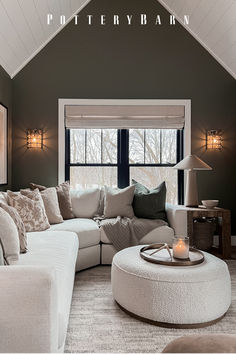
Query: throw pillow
[(2, 260), (149, 203), (85, 202), (34, 186), (31, 209), (3, 198), (51, 205), (64, 198), (118, 202), (19, 225), (9, 237)]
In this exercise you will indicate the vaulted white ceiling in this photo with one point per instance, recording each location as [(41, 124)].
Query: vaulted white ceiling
[(213, 24), (24, 32)]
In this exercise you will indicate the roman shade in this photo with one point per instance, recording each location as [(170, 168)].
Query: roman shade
[(125, 116)]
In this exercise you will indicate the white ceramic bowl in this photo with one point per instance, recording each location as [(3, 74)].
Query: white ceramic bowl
[(210, 204)]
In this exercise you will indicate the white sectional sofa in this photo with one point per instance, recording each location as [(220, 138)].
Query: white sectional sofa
[(36, 292)]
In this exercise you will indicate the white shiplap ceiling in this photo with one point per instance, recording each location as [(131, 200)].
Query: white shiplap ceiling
[(23, 29), (213, 24)]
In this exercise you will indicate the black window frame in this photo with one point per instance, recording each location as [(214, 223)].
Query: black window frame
[(123, 165)]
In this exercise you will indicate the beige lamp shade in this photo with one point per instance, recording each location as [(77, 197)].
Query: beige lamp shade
[(192, 162)]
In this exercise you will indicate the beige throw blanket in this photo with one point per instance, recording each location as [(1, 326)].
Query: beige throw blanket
[(125, 232)]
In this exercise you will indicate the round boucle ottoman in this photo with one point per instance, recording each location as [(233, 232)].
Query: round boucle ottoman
[(182, 297)]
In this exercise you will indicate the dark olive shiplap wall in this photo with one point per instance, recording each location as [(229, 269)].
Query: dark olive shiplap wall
[(159, 62), (6, 100)]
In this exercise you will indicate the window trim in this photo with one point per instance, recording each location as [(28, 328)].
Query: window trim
[(62, 102)]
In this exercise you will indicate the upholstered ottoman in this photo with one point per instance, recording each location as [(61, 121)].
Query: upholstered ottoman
[(182, 297)]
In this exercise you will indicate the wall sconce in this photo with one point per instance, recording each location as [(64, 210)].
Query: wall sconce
[(214, 140), (34, 139)]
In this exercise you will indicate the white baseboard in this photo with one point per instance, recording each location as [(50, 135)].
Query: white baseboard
[(216, 240)]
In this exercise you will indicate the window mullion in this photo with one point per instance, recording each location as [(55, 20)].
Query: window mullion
[(123, 158)]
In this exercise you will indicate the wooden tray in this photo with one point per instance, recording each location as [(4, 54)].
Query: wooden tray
[(163, 257)]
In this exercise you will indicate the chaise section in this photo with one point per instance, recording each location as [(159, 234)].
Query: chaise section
[(28, 309), (55, 252)]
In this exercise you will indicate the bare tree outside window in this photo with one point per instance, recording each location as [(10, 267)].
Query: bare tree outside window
[(93, 158)]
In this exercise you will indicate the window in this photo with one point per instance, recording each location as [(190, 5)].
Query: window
[(114, 157)]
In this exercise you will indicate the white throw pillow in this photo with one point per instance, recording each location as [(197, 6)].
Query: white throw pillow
[(51, 205), (9, 237), (85, 202), (30, 208), (118, 202)]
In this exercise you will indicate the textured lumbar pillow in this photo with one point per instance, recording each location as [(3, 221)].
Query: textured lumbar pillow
[(51, 205), (9, 237), (64, 198), (85, 202), (118, 202), (149, 203), (19, 225), (30, 207)]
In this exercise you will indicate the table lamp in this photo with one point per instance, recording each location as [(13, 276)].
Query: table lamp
[(191, 163)]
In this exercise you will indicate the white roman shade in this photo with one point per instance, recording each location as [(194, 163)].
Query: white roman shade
[(125, 116)]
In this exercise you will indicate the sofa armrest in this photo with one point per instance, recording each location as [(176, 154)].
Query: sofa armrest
[(28, 309), (208, 343), (177, 219)]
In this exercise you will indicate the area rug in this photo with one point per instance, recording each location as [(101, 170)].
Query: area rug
[(97, 325)]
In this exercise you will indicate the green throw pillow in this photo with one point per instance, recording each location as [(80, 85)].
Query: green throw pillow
[(149, 203)]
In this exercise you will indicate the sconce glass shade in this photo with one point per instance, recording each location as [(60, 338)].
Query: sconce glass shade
[(214, 140), (34, 139)]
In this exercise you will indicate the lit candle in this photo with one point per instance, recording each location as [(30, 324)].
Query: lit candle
[(181, 247)]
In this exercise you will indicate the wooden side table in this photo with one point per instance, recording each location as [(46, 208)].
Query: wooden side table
[(224, 221)]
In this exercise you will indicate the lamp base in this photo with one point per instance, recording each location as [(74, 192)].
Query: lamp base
[(191, 198)]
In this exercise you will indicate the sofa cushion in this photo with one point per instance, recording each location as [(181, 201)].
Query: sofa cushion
[(58, 250), (86, 229), (85, 202), (158, 235)]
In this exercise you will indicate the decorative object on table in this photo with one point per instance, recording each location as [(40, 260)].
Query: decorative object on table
[(203, 233), (163, 254), (34, 139), (214, 140), (191, 163), (3, 144), (210, 204), (181, 247)]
